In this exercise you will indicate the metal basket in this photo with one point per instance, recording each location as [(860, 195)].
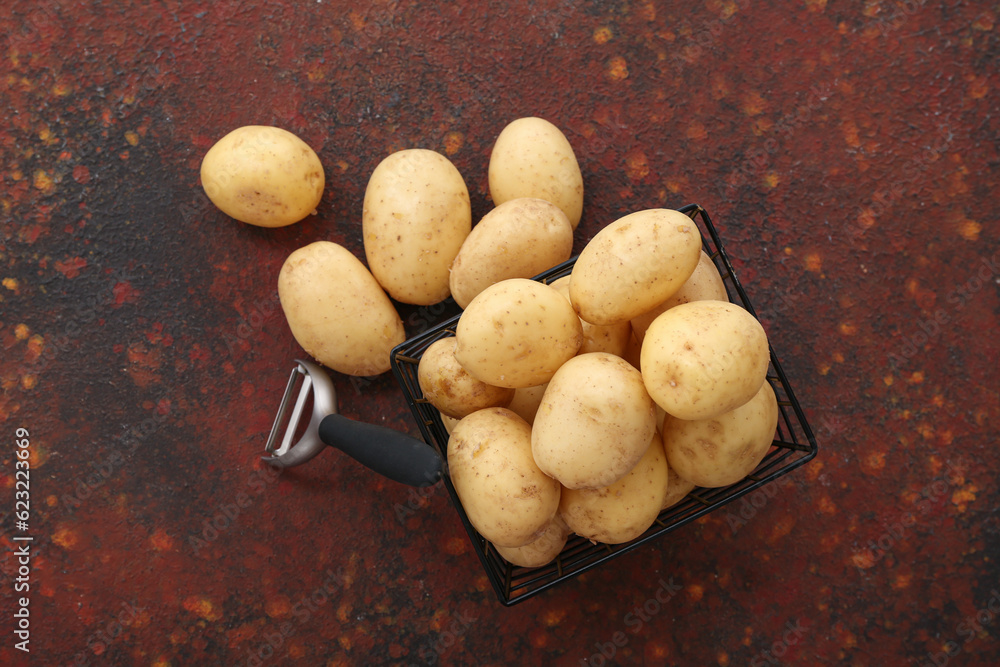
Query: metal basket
[(793, 446)]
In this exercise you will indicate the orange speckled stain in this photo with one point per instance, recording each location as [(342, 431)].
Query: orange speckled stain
[(617, 69), (278, 605), (65, 537), (753, 104), (697, 131), (202, 606), (636, 166), (603, 35), (161, 541), (456, 546)]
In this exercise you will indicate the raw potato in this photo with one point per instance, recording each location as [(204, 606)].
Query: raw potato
[(504, 494), (677, 487), (518, 239), (516, 334), (612, 338), (449, 422), (337, 311), (543, 550), (705, 284), (594, 422), (263, 176), (704, 358), (416, 216), (526, 400), (533, 158), (633, 264), (624, 510), (450, 388), (722, 451), (661, 414)]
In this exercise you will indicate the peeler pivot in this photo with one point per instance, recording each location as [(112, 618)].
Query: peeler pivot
[(390, 453)]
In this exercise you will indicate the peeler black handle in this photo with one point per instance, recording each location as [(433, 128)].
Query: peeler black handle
[(390, 453)]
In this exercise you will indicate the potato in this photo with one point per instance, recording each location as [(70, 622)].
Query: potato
[(263, 176), (336, 310), (520, 238), (725, 449), (624, 510), (526, 400), (612, 339), (504, 494), (448, 422), (661, 414), (633, 264), (594, 422), (533, 158), (516, 334), (543, 550), (450, 388), (415, 218), (705, 284), (677, 487), (704, 358)]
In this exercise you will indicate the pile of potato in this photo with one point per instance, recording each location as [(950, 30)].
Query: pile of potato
[(634, 380), (584, 406)]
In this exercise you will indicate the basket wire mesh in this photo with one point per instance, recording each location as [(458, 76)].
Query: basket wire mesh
[(793, 446)]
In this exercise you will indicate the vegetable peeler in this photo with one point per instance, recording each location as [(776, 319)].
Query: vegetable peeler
[(390, 453)]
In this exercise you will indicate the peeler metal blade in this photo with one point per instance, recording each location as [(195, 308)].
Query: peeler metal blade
[(313, 383), (389, 452)]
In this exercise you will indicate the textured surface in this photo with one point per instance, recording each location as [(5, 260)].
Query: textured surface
[(848, 153)]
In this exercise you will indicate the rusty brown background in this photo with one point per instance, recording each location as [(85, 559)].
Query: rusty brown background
[(847, 152)]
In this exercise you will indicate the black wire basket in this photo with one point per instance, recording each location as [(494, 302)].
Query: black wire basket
[(794, 445)]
